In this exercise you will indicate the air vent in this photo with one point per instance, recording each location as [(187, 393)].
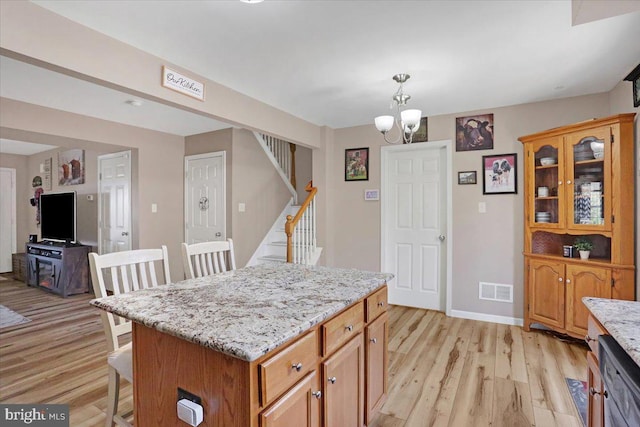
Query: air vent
[(496, 292)]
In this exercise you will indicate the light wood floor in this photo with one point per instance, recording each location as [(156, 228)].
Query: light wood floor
[(442, 371)]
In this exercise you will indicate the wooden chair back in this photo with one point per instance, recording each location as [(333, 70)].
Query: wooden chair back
[(206, 258), (121, 272)]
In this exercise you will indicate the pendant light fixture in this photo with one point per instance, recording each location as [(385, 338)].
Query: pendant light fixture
[(407, 121)]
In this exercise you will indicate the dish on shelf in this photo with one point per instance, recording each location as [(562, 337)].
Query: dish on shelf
[(598, 154), (597, 146), (546, 161)]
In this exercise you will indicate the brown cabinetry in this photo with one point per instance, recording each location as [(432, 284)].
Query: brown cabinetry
[(595, 396), (299, 407), (343, 378), (579, 183), (328, 376)]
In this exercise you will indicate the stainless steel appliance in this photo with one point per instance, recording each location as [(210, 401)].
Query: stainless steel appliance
[(621, 379)]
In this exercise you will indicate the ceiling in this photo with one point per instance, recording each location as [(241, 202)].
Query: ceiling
[(331, 62)]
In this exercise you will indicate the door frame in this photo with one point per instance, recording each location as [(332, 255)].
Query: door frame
[(99, 187), (212, 154), (447, 147), (14, 207)]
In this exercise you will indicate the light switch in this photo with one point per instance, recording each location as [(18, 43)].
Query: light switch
[(154, 208), (241, 207), (482, 207)]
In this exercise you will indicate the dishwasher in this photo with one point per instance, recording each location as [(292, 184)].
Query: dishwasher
[(621, 379)]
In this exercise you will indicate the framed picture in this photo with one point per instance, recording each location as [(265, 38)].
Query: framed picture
[(71, 167), (467, 177), (356, 164), (421, 134), (634, 78), (500, 174), (474, 133)]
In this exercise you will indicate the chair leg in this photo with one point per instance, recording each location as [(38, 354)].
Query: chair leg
[(113, 396)]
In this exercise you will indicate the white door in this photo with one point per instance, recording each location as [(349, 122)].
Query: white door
[(205, 197), (414, 203), (7, 217), (114, 202)]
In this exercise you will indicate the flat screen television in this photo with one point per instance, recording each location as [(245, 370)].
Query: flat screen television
[(58, 216)]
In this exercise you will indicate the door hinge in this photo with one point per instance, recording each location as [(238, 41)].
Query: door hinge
[(613, 282), (612, 138), (613, 219), (100, 175)]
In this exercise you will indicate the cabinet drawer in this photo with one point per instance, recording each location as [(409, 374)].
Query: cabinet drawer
[(594, 330), (342, 328), (376, 304), (281, 371)]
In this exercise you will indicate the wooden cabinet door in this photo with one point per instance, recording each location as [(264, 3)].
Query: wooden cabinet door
[(299, 407), (546, 292), (595, 403), (376, 366), (584, 281), (343, 378)]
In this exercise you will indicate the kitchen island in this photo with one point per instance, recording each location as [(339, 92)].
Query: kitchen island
[(621, 320), (270, 345)]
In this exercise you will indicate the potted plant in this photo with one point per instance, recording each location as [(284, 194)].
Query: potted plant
[(584, 246)]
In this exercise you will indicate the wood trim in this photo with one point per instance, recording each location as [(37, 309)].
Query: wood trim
[(587, 124), (293, 221)]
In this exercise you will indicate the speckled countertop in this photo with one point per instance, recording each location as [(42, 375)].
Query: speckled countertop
[(621, 319), (247, 312)]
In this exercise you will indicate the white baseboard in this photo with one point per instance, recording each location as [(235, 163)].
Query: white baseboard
[(487, 317)]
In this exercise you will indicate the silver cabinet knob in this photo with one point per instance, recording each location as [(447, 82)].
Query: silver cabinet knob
[(349, 328), (332, 380), (297, 366), (568, 182), (559, 279), (568, 280), (381, 304), (373, 340), (559, 182), (317, 394)]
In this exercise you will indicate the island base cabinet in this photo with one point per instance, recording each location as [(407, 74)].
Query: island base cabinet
[(595, 414), (343, 378), (376, 336), (299, 407)]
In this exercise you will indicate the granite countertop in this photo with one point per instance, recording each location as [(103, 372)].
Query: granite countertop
[(621, 319), (247, 312)]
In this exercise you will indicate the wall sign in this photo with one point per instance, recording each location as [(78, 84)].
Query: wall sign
[(183, 84)]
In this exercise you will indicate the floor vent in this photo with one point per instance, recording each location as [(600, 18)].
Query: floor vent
[(496, 292)]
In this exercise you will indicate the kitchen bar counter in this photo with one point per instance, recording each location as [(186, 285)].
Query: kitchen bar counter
[(621, 319), (248, 312)]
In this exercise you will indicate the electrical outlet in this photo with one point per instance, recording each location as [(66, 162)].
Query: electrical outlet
[(183, 394)]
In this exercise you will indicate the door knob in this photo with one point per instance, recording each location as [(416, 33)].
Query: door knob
[(441, 238), (125, 233), (218, 234)]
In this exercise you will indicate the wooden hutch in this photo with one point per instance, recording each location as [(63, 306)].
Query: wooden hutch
[(583, 188)]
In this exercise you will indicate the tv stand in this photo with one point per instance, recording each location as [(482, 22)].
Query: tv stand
[(58, 267)]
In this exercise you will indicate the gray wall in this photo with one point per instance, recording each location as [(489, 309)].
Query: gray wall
[(486, 247)]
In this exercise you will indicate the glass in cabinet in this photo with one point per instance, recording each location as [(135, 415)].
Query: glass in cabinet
[(588, 183), (547, 182)]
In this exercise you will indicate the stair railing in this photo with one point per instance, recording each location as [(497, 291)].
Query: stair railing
[(301, 230), (282, 155)]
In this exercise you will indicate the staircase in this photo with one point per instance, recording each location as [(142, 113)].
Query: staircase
[(292, 237)]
